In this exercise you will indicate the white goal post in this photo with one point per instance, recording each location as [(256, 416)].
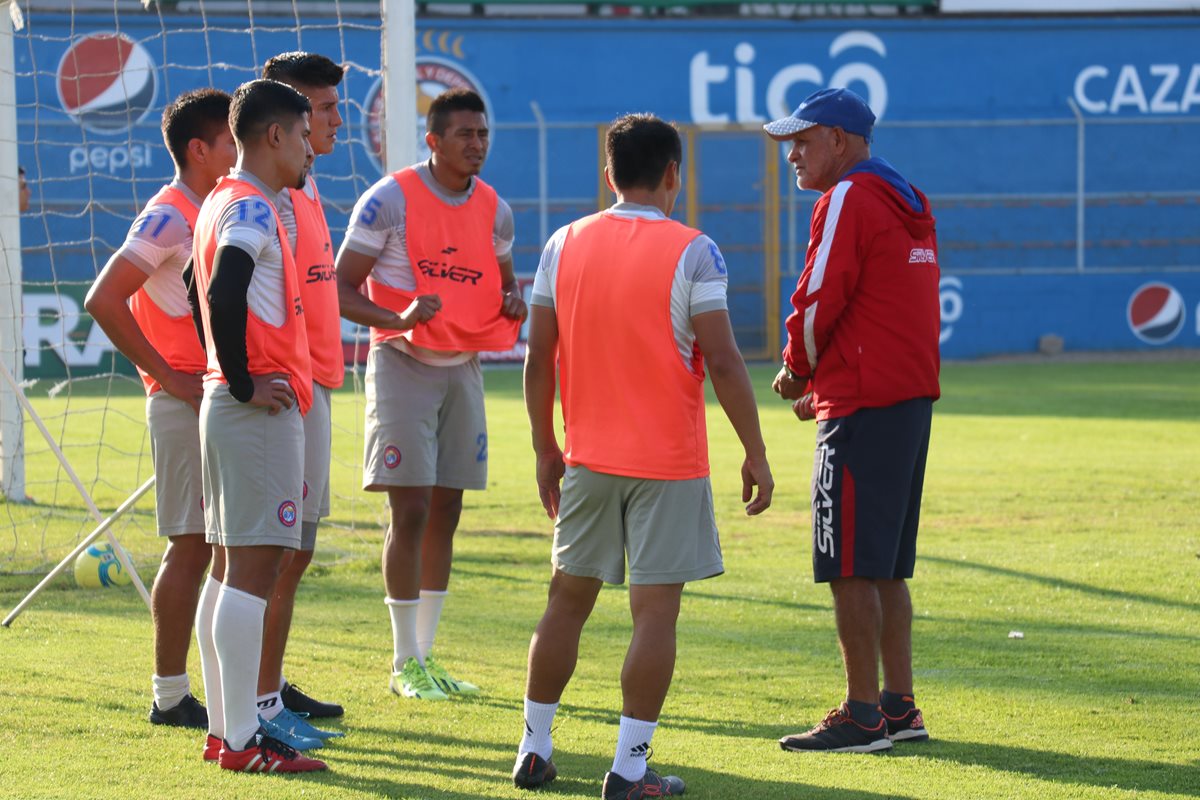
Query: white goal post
[(12, 429)]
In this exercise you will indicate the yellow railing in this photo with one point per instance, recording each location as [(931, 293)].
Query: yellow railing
[(760, 333)]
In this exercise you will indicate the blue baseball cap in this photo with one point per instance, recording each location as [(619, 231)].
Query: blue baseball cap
[(833, 108)]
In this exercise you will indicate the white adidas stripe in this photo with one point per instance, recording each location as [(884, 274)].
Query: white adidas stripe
[(827, 234), (817, 278), (810, 342)]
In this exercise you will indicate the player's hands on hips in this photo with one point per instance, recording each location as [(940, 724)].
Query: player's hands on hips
[(804, 408), (757, 472), (185, 386), (421, 309), (786, 386), (550, 469), (272, 392), (512, 306)]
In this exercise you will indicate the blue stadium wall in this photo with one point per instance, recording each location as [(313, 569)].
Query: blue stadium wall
[(975, 112)]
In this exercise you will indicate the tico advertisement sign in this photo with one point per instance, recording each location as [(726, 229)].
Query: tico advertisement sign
[(106, 114)]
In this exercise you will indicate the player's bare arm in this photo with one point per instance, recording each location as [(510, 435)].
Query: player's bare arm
[(108, 303), (353, 269), (539, 380), (511, 304), (714, 335)]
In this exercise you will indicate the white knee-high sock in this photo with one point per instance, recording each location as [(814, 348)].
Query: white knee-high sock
[(404, 631), (237, 631), (429, 612), (539, 717), (210, 666), (633, 743)]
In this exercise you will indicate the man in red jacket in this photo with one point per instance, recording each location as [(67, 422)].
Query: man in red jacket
[(862, 358)]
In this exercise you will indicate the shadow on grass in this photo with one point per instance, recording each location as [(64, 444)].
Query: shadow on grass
[(69, 603), (1117, 773), (487, 533), (762, 601), (769, 734), (1060, 583), (461, 571), (416, 775)]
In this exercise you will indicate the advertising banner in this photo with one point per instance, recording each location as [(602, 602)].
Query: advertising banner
[(1061, 6), (988, 315), (976, 112)]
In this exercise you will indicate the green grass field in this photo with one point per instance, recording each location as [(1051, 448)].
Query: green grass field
[(1061, 501)]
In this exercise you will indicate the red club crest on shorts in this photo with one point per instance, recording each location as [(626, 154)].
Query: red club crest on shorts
[(287, 513), (304, 496), (391, 456)]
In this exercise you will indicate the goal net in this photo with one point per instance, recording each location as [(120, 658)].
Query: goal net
[(85, 84)]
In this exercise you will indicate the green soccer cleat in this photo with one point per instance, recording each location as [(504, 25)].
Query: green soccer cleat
[(415, 681), (446, 683)]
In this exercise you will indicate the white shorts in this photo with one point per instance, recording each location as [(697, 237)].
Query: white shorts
[(425, 425), (318, 433), (253, 472), (666, 529), (175, 448)]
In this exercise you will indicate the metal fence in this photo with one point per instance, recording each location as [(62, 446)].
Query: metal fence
[(1012, 196)]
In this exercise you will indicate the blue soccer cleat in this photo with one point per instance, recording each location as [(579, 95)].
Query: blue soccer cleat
[(299, 724), (280, 729)]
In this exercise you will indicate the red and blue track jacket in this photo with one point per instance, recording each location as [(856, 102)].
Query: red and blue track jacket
[(867, 314)]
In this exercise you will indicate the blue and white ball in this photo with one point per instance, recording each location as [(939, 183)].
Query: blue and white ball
[(98, 566)]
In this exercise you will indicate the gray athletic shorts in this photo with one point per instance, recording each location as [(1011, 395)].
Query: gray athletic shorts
[(425, 425), (666, 528), (175, 449), (317, 441), (253, 472)]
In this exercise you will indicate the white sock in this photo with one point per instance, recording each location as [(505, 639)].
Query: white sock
[(633, 743), (538, 719), (404, 632), (170, 689), (428, 613), (269, 705), (282, 682), (237, 631), (210, 666)]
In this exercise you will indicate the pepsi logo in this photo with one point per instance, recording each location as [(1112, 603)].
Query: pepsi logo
[(287, 513), (391, 456), (1156, 313), (434, 76), (106, 82)]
